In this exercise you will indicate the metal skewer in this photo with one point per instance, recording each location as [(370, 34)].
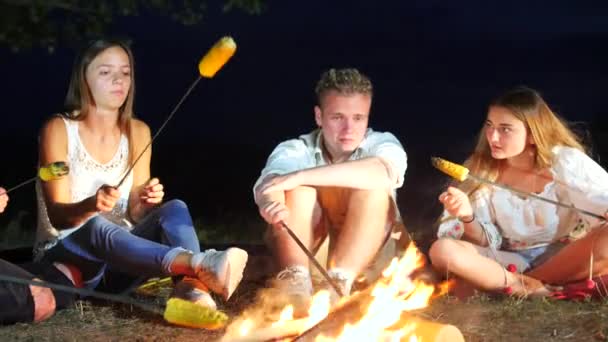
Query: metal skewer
[(533, 195)]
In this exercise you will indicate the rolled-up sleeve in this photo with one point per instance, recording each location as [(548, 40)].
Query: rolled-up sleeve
[(386, 146), (585, 181), (451, 227), (288, 156)]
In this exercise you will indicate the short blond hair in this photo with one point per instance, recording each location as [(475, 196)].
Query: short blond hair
[(345, 81)]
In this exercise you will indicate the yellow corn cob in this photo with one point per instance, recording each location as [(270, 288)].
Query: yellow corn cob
[(219, 54), (184, 313), (453, 170), (53, 171)]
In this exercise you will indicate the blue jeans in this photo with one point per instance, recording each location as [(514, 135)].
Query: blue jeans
[(147, 250)]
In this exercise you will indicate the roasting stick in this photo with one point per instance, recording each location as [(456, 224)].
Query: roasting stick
[(46, 173), (461, 173), (209, 65)]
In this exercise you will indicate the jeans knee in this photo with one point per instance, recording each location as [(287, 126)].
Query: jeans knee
[(174, 204), (100, 228)]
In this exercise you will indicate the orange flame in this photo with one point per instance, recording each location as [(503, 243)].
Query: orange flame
[(394, 294)]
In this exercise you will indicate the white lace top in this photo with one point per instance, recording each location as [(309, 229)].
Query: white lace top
[(85, 177), (513, 223)]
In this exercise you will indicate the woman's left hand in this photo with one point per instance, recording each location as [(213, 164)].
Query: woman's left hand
[(152, 193)]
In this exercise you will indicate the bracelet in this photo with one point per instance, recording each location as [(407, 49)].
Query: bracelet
[(469, 221)]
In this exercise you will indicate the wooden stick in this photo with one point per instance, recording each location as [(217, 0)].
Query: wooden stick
[(429, 331), (159, 130), (288, 329), (312, 258), (591, 265), (348, 311), (20, 185)]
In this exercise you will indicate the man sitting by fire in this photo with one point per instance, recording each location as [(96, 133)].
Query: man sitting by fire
[(339, 181)]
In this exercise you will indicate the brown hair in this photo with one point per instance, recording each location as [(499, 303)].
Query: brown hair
[(345, 81), (79, 98), (545, 127)]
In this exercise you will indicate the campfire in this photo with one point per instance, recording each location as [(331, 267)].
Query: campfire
[(382, 312)]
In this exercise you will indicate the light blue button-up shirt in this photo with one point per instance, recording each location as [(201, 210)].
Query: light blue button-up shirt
[(305, 152)]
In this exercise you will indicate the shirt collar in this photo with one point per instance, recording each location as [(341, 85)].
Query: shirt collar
[(318, 149)]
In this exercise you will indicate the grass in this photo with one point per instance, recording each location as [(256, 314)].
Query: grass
[(484, 319), (480, 318)]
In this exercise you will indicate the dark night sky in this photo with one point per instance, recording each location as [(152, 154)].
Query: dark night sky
[(435, 65)]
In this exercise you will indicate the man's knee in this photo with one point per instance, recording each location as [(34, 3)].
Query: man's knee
[(306, 193), (371, 196), (304, 200)]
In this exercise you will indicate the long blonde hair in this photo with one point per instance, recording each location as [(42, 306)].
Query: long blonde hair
[(545, 127), (79, 96)]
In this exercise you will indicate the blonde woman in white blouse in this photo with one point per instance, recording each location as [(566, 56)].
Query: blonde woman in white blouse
[(486, 230)]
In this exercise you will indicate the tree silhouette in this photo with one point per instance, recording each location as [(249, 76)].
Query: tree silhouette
[(26, 24)]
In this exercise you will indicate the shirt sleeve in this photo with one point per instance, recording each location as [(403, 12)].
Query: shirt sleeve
[(386, 146), (583, 180), (451, 227), (288, 156)]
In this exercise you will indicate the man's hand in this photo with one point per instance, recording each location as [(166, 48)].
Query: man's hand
[(456, 202), (152, 193), (3, 199), (274, 212), (105, 198), (283, 183), (271, 202)]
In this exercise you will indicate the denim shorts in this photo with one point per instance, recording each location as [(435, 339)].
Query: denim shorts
[(535, 256)]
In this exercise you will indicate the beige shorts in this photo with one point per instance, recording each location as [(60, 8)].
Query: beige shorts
[(329, 216)]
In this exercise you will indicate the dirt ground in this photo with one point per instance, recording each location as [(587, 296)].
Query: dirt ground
[(480, 319)]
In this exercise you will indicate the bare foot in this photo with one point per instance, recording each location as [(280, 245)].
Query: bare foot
[(521, 285)]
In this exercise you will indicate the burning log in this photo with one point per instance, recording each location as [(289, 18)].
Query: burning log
[(355, 307), (284, 331), (379, 313), (429, 331)]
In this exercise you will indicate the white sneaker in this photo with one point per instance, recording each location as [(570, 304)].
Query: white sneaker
[(221, 271), (294, 281), (342, 279), (295, 286), (194, 291)]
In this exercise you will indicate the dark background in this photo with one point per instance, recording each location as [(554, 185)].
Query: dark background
[(435, 66)]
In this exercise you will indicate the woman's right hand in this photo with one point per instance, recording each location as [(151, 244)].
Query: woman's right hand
[(456, 203), (106, 198)]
